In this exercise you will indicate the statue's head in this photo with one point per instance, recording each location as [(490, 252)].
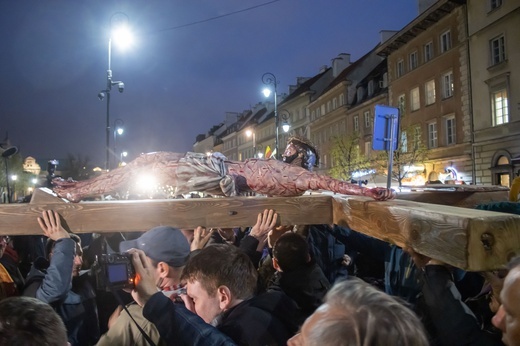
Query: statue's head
[(301, 151)]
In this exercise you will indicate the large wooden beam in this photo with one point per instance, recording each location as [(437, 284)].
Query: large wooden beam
[(466, 238), (470, 239)]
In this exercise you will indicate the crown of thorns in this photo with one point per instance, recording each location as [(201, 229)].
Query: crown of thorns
[(304, 141)]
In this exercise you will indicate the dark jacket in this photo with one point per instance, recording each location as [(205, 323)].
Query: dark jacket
[(450, 321), (52, 284), (306, 285), (268, 319)]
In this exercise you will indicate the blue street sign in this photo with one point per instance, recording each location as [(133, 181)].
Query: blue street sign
[(386, 128)]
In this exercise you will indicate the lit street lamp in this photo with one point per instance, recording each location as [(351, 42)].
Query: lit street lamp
[(6, 153), (121, 35), (259, 154), (285, 120), (14, 177), (118, 130), (270, 79), (250, 133), (123, 154)]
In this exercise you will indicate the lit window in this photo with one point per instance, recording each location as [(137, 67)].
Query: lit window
[(498, 50), (429, 90), (356, 123), (428, 51), (445, 41), (413, 62), (432, 135), (415, 103), (367, 118), (404, 142), (450, 131), (500, 107), (447, 85)]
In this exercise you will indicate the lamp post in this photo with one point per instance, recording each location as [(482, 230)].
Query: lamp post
[(118, 130), (6, 154), (250, 133), (123, 154), (14, 177), (270, 79), (286, 126), (118, 24)]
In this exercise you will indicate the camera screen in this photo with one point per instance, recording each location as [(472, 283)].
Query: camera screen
[(117, 272)]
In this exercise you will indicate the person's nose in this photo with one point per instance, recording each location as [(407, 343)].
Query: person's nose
[(499, 319), (78, 260)]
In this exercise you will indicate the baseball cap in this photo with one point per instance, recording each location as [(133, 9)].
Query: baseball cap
[(162, 244)]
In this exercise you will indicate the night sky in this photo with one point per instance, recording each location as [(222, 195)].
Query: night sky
[(184, 71)]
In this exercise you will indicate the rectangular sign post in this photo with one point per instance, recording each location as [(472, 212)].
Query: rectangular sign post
[(386, 132)]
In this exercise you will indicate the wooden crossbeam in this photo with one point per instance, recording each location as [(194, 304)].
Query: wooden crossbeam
[(466, 238)]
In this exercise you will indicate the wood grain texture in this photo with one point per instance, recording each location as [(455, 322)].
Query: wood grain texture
[(470, 239), (129, 216)]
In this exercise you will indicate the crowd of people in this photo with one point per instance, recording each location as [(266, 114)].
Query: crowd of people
[(262, 285)]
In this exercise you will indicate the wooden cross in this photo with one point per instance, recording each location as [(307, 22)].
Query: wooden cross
[(470, 239)]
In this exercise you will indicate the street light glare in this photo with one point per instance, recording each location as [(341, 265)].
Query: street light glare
[(249, 133), (266, 92), (120, 131), (122, 37)]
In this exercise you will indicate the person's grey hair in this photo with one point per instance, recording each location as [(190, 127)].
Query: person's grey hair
[(356, 313), (31, 322)]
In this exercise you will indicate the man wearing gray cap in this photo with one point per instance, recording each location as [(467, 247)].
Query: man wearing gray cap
[(168, 249)]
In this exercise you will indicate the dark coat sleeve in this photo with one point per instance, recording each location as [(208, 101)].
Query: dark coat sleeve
[(452, 319), (179, 326)]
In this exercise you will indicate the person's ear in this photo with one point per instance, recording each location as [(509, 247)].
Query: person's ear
[(164, 269), (276, 265), (225, 298)]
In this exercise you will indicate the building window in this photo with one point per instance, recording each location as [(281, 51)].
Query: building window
[(445, 41), (447, 85), (329, 106), (415, 103), (500, 107), (366, 116), (323, 112), (417, 135), (404, 142), (432, 135), (342, 127), (498, 50), (400, 68), (341, 100), (413, 61), (493, 4), (370, 88), (313, 116), (450, 130), (429, 92), (356, 122), (428, 51), (334, 103), (368, 146), (401, 104), (360, 93)]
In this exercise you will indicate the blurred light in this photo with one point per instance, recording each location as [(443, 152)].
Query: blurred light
[(249, 133), (260, 155), (120, 131), (146, 182), (122, 36), (286, 127), (14, 177), (34, 180), (266, 92)]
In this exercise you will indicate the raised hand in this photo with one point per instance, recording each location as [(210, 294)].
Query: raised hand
[(201, 237), (145, 286), (50, 223), (264, 223)]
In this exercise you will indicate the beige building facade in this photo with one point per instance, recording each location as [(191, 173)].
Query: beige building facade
[(428, 75), (494, 42)]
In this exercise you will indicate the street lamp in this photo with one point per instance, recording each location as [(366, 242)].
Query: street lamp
[(14, 177), (270, 79), (259, 154), (123, 154), (285, 120), (120, 34), (250, 133), (118, 130), (6, 154)]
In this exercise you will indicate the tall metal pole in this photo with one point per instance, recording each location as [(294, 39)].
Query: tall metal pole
[(269, 78), (109, 88), (7, 181)]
